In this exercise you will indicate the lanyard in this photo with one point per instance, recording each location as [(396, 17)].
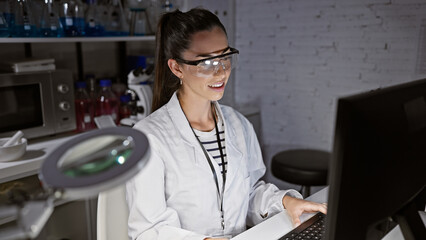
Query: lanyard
[(220, 193)]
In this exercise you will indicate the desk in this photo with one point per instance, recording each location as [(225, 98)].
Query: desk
[(280, 224)]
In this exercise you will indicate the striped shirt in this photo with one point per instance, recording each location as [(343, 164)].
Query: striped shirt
[(209, 141)]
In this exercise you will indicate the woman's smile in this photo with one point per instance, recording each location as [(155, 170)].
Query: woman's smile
[(219, 87)]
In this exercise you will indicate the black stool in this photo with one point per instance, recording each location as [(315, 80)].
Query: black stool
[(304, 167)]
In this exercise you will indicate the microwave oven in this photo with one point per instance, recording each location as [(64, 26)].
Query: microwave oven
[(37, 103)]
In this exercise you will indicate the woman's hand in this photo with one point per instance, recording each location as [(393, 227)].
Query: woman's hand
[(295, 207)]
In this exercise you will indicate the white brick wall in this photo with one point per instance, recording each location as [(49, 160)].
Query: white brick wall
[(298, 56)]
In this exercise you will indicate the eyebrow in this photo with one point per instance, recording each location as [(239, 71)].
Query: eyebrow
[(210, 55)]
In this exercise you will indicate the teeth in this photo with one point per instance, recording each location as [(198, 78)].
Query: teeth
[(217, 85)]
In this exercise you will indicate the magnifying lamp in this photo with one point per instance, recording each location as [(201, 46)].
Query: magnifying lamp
[(82, 167)]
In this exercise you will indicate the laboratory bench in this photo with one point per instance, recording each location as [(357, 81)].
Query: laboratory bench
[(30, 162), (19, 180)]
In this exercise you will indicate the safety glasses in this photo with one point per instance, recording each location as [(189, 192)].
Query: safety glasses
[(210, 66)]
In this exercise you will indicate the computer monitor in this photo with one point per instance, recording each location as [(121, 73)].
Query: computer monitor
[(378, 165)]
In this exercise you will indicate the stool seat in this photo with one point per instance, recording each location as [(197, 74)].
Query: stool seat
[(301, 166)]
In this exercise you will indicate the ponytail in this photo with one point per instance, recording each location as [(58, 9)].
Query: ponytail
[(166, 83), (173, 36)]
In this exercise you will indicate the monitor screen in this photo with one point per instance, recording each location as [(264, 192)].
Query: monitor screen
[(378, 165)]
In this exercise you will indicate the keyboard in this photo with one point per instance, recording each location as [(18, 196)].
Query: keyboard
[(313, 228)]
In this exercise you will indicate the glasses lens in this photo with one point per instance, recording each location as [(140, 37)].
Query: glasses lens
[(212, 66)]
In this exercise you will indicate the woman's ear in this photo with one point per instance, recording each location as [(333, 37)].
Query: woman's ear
[(175, 68)]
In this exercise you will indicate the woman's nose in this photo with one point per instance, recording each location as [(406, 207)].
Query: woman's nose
[(220, 67)]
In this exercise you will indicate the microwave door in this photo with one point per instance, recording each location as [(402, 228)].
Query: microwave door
[(26, 107)]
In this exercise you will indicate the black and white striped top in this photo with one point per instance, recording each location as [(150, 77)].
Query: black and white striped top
[(209, 141)]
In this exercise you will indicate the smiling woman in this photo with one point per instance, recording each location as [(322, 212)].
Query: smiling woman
[(183, 39), (203, 178), (203, 82)]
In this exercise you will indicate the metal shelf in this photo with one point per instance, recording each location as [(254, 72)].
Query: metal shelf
[(78, 39)]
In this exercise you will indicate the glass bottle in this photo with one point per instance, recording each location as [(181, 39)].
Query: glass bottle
[(94, 25), (125, 107), (140, 23), (91, 81), (72, 17), (104, 9), (7, 7), (4, 28), (116, 24), (50, 25), (4, 14), (83, 108), (24, 20), (106, 101)]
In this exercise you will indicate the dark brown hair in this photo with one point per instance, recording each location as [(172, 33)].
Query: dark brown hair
[(173, 36)]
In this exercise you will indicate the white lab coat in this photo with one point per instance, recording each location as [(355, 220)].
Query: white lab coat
[(175, 197)]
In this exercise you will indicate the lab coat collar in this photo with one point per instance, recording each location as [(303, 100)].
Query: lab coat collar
[(179, 120), (235, 157), (182, 124)]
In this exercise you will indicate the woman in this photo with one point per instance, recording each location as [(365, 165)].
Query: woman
[(202, 180)]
